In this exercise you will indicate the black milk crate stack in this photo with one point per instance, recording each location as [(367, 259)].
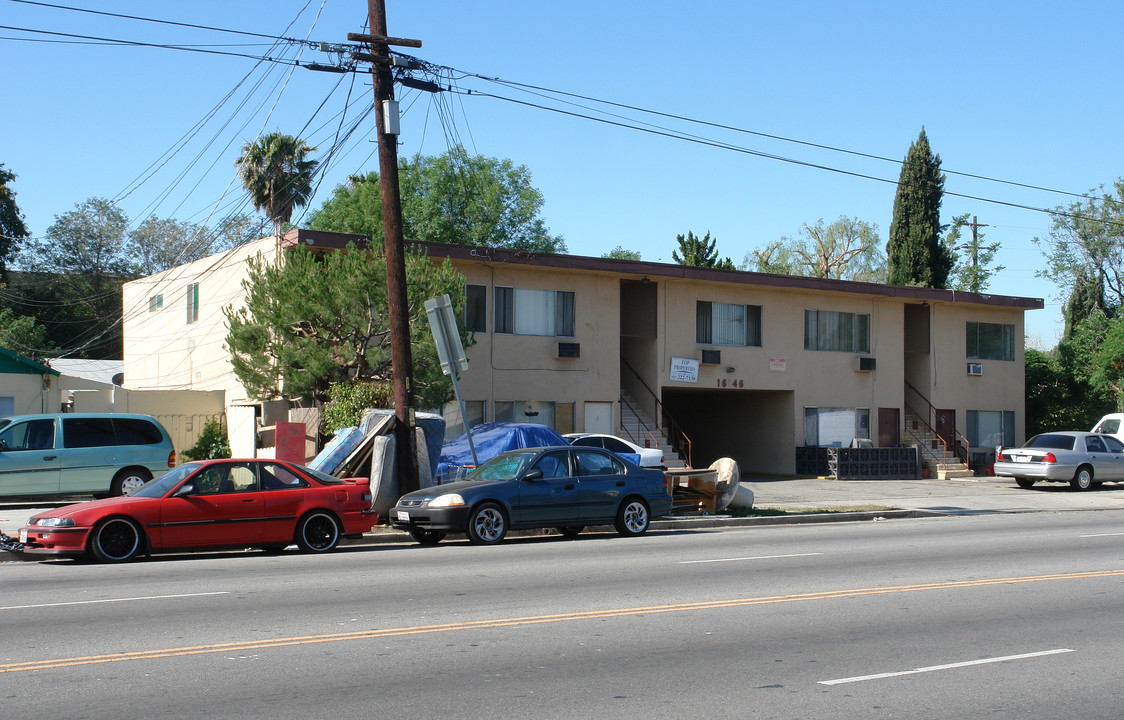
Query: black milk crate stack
[(842, 463)]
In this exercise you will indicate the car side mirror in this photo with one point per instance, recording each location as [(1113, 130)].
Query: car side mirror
[(184, 490), (533, 474)]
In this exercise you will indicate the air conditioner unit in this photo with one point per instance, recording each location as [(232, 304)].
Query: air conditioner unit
[(975, 368), (711, 357), (569, 351), (864, 364)]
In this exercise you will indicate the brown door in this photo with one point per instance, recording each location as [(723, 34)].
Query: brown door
[(889, 424), (946, 427)]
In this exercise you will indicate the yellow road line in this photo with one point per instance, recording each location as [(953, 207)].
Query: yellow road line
[(536, 620)]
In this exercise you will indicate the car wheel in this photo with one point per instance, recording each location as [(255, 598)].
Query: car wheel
[(1025, 483), (1083, 478), (317, 532), (571, 531), (632, 517), (128, 481), (427, 537), (116, 540), (487, 525)]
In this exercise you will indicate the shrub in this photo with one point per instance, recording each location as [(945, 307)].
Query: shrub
[(212, 443), (350, 399)]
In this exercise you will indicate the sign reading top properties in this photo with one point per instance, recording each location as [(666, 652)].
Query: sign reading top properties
[(684, 370)]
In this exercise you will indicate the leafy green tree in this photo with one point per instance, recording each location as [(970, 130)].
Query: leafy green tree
[(619, 253), (1086, 297), (79, 267), (974, 270), (276, 173), (318, 320), (160, 244), (13, 232), (453, 198), (1086, 244), (914, 251), (1056, 398), (847, 249), (349, 399), (21, 334), (699, 252)]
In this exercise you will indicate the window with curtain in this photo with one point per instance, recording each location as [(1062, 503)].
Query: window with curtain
[(990, 341), (192, 303), (725, 324), (837, 331), (835, 427), (991, 428), (475, 308), (534, 312)]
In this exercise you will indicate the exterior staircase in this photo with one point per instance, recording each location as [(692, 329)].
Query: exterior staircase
[(947, 464), (642, 430)]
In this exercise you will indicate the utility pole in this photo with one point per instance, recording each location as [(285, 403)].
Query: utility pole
[(974, 246), (397, 302)]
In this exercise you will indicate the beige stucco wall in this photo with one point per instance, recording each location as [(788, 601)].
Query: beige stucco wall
[(31, 393), (161, 349)]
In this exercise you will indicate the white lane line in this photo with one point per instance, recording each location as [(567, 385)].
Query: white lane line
[(113, 600), (1102, 535), (759, 557), (950, 666)]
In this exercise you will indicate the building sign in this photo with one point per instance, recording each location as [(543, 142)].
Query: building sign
[(776, 364), (684, 370)]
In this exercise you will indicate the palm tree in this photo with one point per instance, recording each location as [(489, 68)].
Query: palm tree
[(274, 171)]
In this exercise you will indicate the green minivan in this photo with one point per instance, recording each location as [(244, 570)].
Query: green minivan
[(81, 453)]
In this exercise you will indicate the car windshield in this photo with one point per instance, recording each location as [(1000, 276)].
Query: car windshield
[(1051, 442), (505, 466), (162, 485)]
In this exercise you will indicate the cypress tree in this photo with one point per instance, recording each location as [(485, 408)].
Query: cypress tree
[(914, 252)]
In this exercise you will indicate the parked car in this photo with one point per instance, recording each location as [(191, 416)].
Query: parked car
[(489, 440), (82, 453), (1110, 425), (210, 504), (649, 457), (1080, 458), (561, 487)]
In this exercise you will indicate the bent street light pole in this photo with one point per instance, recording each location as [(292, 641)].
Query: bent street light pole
[(397, 302)]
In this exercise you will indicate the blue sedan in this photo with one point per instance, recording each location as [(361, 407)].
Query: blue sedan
[(548, 487)]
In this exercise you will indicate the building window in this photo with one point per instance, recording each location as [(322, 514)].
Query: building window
[(835, 427), (534, 312), (155, 303), (475, 308), (839, 331), (559, 416), (192, 303), (991, 428), (990, 341), (723, 324)]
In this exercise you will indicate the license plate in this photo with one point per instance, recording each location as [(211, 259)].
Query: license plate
[(403, 516), (23, 536), (1022, 458)]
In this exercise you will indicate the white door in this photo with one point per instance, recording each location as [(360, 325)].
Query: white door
[(599, 417)]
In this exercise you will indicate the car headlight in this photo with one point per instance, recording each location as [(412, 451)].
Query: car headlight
[(446, 500), (52, 522)]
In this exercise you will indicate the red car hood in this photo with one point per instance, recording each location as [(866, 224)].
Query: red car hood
[(99, 508)]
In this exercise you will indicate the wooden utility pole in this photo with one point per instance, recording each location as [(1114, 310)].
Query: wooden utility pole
[(398, 307), (975, 284)]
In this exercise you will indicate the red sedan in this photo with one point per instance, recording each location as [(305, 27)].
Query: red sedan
[(210, 504)]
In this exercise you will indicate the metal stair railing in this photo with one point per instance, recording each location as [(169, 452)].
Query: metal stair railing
[(960, 442), (679, 440)]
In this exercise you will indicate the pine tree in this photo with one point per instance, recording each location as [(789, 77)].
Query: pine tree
[(914, 251), (699, 252)]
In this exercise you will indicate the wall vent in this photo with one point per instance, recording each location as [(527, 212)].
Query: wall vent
[(569, 351), (864, 364), (975, 368), (711, 357)]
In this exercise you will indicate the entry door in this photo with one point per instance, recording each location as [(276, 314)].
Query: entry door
[(889, 427), (599, 418), (946, 427)]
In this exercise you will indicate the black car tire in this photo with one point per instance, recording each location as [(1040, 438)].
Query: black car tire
[(487, 524), (427, 537), (632, 517), (1025, 483), (128, 481), (116, 540), (318, 532), (571, 531), (1083, 478)]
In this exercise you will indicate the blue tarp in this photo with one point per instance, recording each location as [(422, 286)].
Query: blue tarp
[(491, 439)]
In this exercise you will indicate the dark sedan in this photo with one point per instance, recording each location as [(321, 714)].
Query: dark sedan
[(563, 488)]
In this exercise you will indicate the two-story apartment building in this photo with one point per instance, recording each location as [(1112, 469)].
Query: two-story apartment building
[(748, 365)]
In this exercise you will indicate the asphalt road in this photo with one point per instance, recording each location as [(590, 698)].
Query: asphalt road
[(1000, 615)]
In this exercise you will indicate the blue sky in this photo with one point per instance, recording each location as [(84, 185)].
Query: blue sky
[(1023, 92)]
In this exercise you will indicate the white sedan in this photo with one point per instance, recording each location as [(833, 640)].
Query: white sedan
[(1082, 459), (649, 457)]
